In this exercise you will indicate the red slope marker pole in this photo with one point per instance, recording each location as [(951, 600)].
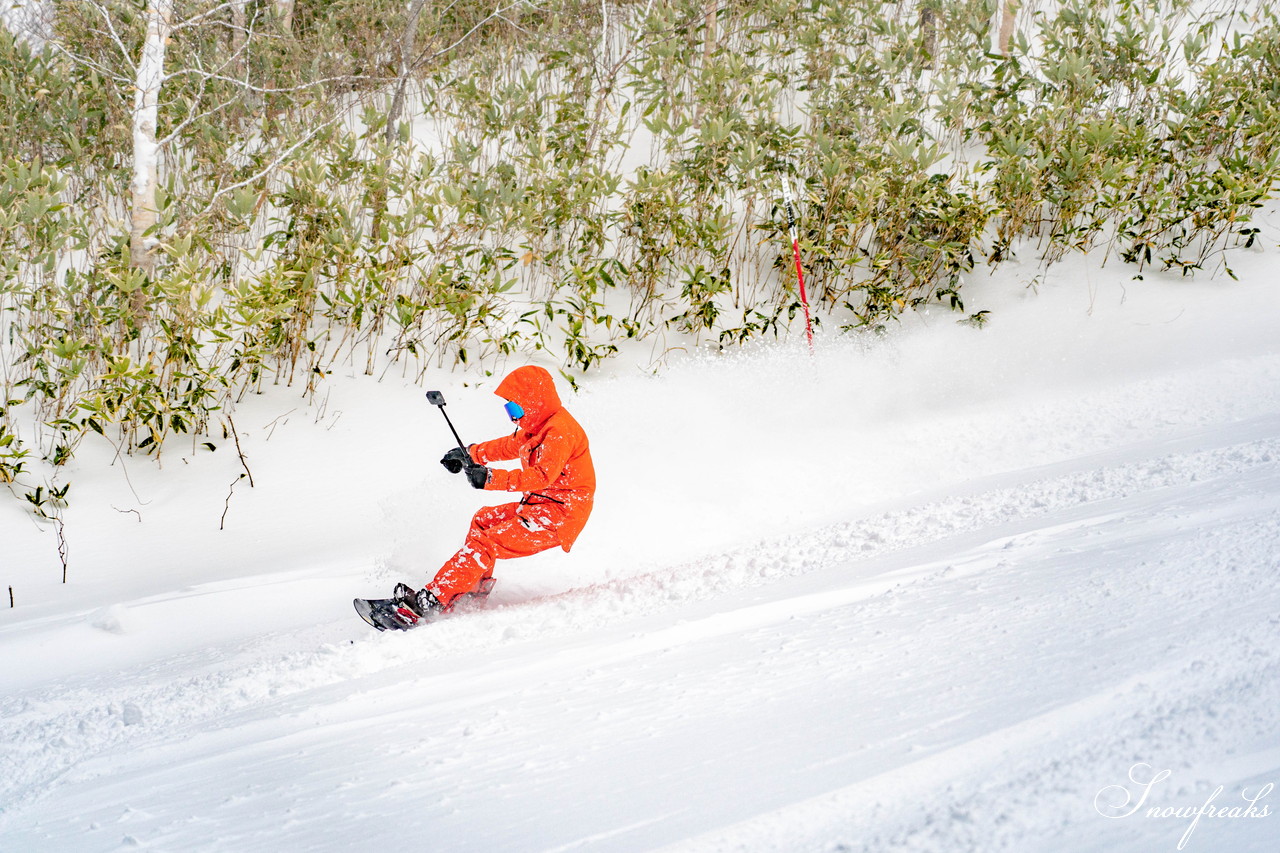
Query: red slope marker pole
[(795, 251)]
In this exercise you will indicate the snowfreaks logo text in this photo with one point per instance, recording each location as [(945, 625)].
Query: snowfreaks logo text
[(1121, 801)]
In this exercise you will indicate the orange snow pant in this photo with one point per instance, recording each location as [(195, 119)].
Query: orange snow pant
[(497, 533)]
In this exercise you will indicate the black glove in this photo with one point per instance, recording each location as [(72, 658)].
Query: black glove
[(456, 459), (477, 475)]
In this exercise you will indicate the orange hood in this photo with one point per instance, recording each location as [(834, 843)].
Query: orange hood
[(535, 392)]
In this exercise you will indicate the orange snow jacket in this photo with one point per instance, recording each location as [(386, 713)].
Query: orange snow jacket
[(556, 473)]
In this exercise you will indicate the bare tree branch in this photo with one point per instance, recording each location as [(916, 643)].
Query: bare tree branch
[(496, 13), (407, 45), (111, 30), (270, 90), (93, 65), (196, 20), (195, 116), (270, 167)]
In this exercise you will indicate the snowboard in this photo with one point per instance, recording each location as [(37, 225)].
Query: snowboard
[(385, 615)]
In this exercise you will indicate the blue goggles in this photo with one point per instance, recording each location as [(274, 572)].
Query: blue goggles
[(514, 411)]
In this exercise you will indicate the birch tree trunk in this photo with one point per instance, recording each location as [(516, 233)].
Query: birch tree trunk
[(146, 154), (239, 25), (408, 47), (928, 33), (1008, 16), (284, 14)]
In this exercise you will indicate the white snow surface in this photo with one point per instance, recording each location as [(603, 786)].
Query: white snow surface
[(945, 590)]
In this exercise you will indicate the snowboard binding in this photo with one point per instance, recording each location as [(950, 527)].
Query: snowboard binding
[(408, 608)]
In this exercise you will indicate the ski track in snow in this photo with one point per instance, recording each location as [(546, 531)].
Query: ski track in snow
[(887, 606)]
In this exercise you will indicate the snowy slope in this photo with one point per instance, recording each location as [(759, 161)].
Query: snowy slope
[(948, 590)]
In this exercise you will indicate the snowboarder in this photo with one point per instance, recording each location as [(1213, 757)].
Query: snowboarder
[(556, 477)]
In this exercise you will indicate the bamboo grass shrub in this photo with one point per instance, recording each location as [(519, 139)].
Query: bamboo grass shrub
[(1091, 142), (574, 176), (896, 216)]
